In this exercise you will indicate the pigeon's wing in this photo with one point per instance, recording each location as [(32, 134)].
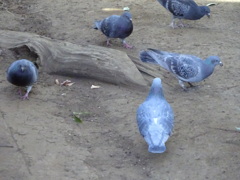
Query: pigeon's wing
[(167, 117), (108, 26), (125, 27), (117, 26), (179, 8), (185, 67), (143, 118), (159, 113)]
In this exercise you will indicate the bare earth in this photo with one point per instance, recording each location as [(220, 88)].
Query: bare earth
[(39, 139)]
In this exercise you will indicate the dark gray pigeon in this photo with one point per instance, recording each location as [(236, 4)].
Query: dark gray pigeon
[(186, 68), (184, 9), (22, 73), (116, 27), (155, 118)]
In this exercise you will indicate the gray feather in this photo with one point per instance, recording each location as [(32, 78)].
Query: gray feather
[(185, 9), (186, 68), (155, 118), (22, 73), (116, 26)]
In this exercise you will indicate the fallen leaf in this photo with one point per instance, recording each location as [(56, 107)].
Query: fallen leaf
[(95, 87), (65, 82), (69, 84), (76, 116), (211, 4), (57, 81)]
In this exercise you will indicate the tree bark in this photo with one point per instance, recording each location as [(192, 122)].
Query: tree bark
[(64, 58)]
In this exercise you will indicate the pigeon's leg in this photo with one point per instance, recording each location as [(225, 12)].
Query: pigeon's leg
[(181, 24), (126, 45), (29, 88), (190, 84), (108, 42), (181, 83), (173, 25), (20, 91)]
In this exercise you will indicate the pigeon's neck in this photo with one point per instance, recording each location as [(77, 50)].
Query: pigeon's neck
[(208, 68), (196, 13), (201, 11), (156, 93)]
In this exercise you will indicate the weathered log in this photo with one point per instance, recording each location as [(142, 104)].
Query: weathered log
[(64, 58)]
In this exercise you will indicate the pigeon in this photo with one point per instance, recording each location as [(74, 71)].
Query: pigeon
[(184, 9), (22, 73), (116, 27), (155, 118), (186, 68)]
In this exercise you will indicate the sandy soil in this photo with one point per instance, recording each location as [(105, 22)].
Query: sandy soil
[(39, 140)]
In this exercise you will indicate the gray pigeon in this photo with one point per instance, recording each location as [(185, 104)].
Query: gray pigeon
[(116, 27), (155, 118), (184, 9), (22, 73), (186, 68)]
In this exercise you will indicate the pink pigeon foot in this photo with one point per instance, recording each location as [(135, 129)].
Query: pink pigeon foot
[(127, 46), (20, 92), (29, 88), (178, 25), (25, 97), (181, 24), (173, 25), (108, 42)]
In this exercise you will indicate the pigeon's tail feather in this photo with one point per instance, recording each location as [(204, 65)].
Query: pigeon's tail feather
[(160, 53), (97, 25), (145, 57), (155, 57), (157, 149), (156, 139)]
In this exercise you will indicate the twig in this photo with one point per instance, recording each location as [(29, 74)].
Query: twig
[(7, 146), (227, 130)]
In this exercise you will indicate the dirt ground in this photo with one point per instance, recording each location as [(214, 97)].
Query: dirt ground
[(39, 139)]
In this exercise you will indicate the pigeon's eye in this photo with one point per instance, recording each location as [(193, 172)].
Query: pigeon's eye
[(215, 61)]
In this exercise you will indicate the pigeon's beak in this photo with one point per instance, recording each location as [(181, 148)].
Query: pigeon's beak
[(220, 63), (23, 68), (208, 15)]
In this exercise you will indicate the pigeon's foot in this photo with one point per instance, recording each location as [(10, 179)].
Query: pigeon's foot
[(108, 42), (29, 88), (178, 25), (20, 91), (182, 25), (127, 46), (173, 25), (181, 83), (25, 96)]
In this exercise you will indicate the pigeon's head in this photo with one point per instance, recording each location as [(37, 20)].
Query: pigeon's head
[(205, 10), (23, 65), (19, 66), (214, 60), (128, 15), (156, 89)]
